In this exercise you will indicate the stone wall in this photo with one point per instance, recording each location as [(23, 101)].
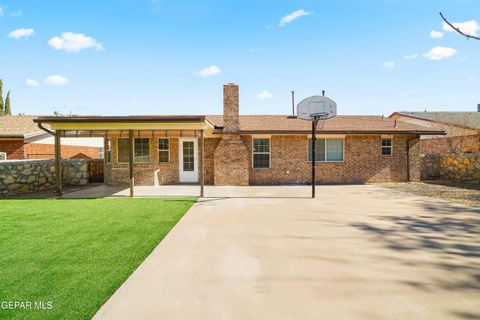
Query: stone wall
[(23, 176), (456, 167)]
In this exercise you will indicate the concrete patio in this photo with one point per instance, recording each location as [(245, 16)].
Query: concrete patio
[(355, 252)]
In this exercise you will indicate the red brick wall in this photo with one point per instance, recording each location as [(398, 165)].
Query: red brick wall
[(456, 144), (47, 151), (363, 163), (13, 148)]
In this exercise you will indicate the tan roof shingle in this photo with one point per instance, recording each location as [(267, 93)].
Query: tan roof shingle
[(18, 127), (340, 124)]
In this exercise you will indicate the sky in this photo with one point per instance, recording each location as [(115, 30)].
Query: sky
[(121, 57)]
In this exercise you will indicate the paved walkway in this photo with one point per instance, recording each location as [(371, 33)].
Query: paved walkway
[(355, 252)]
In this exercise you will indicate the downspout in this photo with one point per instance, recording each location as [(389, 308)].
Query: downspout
[(45, 129), (408, 156)]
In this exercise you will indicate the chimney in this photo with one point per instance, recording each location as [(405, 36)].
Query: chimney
[(231, 123)]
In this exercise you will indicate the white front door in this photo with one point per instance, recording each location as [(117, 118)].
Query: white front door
[(188, 160)]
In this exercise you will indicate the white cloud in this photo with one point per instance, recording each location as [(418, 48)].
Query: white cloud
[(264, 95), (31, 83), (56, 80), (436, 34), (389, 65), (439, 53), (293, 16), (16, 13), (21, 33), (72, 42), (468, 27), (412, 56), (2, 10), (209, 71)]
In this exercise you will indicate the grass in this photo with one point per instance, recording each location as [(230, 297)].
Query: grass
[(73, 255)]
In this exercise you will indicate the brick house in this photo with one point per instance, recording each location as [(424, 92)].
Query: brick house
[(462, 130), (234, 149), (21, 138)]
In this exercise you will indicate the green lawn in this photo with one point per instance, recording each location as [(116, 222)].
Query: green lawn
[(74, 254)]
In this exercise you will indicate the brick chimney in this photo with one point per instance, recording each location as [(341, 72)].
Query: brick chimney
[(231, 157), (231, 123)]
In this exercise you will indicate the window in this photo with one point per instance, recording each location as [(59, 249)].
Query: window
[(261, 153), (387, 147), (3, 156), (188, 156), (142, 150), (123, 150), (326, 150), (163, 150)]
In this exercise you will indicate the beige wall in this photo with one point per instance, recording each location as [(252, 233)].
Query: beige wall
[(450, 130), (363, 163)]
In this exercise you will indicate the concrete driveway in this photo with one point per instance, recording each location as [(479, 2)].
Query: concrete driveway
[(355, 252)]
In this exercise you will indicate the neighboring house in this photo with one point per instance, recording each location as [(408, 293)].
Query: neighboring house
[(21, 138), (249, 149), (462, 130)]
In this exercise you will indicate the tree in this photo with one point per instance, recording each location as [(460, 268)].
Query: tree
[(1, 98), (7, 104), (458, 30)]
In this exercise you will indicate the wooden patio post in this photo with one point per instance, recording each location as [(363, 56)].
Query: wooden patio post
[(58, 164), (202, 175), (130, 161)]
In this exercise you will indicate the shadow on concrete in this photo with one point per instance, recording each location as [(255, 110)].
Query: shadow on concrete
[(448, 233)]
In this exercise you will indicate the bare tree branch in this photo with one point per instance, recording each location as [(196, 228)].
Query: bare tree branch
[(468, 36)]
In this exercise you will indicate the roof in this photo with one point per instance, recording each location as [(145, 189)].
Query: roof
[(116, 119), (19, 127), (279, 124), (466, 119), (339, 124)]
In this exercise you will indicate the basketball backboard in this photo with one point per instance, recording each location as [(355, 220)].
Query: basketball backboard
[(319, 106)]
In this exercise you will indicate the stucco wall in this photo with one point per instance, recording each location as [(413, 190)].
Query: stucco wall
[(23, 176)]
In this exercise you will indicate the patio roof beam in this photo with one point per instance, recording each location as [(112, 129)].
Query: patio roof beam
[(130, 162), (202, 166), (58, 164)]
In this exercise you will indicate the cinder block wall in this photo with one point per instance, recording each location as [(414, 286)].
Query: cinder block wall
[(13, 148), (47, 151)]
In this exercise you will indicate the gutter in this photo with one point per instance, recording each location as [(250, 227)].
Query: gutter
[(40, 125), (408, 156), (336, 132)]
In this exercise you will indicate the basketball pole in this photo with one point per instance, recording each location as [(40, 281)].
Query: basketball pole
[(314, 139)]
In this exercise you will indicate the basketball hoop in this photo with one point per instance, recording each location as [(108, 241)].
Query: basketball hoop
[(316, 108)]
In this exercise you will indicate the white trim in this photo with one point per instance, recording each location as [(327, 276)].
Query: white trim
[(269, 151), (188, 176), (326, 149), (158, 150), (382, 146)]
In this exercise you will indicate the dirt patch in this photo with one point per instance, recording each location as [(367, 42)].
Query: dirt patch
[(464, 194)]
